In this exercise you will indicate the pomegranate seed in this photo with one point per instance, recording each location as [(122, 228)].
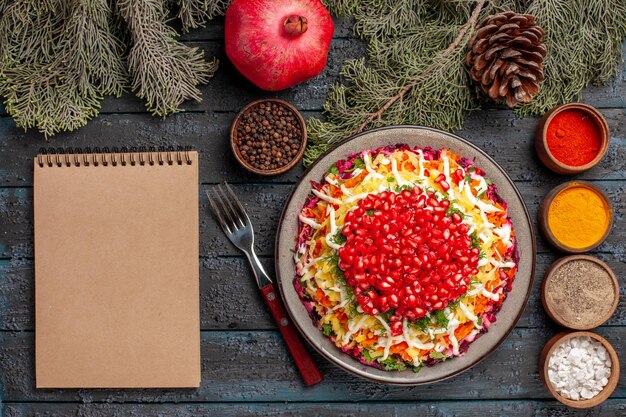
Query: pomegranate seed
[(409, 255)]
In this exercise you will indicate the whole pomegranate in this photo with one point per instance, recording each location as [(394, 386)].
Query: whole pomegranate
[(277, 44)]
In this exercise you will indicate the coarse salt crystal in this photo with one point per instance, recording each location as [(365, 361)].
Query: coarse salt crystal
[(578, 368)]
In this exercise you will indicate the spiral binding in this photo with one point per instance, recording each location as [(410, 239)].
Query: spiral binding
[(114, 156)]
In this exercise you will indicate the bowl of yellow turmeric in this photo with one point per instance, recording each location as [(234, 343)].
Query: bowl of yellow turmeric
[(576, 217)]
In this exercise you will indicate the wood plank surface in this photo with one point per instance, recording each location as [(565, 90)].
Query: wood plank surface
[(245, 367), (254, 366), (505, 137), (505, 408), (264, 204), (229, 298)]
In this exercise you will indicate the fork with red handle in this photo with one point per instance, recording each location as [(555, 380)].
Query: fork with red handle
[(234, 220)]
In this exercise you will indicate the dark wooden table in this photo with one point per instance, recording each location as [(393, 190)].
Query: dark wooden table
[(245, 366)]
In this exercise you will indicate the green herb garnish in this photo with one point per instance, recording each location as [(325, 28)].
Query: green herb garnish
[(451, 210), (334, 170), (367, 356), (400, 188), (370, 212), (391, 179), (391, 364), (438, 355), (422, 324), (339, 238), (327, 329), (441, 319), (357, 163)]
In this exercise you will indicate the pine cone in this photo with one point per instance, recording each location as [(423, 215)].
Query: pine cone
[(505, 57)]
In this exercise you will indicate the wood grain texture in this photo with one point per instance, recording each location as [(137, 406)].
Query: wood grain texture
[(504, 136), (250, 366), (610, 408), (246, 369), (264, 204), (229, 297)]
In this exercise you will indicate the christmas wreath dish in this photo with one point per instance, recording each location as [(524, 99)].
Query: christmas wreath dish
[(404, 255)]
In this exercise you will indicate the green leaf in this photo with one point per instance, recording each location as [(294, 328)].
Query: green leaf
[(367, 356), (370, 212), (416, 369), (339, 238), (391, 179), (334, 170), (438, 355), (441, 319), (481, 195), (452, 209), (392, 364), (479, 322), (357, 163), (400, 188), (422, 324), (475, 240), (387, 315), (327, 329)]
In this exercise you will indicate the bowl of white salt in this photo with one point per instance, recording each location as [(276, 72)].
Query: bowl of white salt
[(580, 369)]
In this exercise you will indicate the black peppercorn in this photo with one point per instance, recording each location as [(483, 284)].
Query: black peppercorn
[(268, 136)]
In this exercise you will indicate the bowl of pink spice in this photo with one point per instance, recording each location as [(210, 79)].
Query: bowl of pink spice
[(572, 138)]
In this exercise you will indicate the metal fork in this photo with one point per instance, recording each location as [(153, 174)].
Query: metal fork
[(236, 224)]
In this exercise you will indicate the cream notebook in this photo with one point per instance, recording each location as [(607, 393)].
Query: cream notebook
[(116, 270)]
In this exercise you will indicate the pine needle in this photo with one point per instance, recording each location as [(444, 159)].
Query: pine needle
[(584, 40), (164, 71), (59, 58), (411, 77)]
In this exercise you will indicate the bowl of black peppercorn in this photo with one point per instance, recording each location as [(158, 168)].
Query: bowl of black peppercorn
[(268, 137)]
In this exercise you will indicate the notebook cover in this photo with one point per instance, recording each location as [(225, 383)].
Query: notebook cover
[(116, 275)]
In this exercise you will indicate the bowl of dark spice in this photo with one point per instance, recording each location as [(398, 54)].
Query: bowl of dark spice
[(580, 292), (572, 138), (268, 137)]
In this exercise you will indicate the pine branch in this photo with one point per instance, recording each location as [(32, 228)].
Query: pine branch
[(196, 13), (164, 71), (58, 59), (418, 77), (584, 42), (415, 71), (471, 23)]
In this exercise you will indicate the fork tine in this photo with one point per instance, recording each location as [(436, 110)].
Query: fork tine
[(242, 211), (226, 211), (236, 216), (218, 214)]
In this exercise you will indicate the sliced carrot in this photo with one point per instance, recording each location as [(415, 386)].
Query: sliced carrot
[(496, 218), (405, 356), (334, 191), (463, 330), (355, 180), (480, 304), (323, 298), (500, 247), (400, 347), (489, 286)]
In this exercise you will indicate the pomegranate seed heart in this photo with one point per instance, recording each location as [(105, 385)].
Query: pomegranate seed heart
[(415, 259)]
